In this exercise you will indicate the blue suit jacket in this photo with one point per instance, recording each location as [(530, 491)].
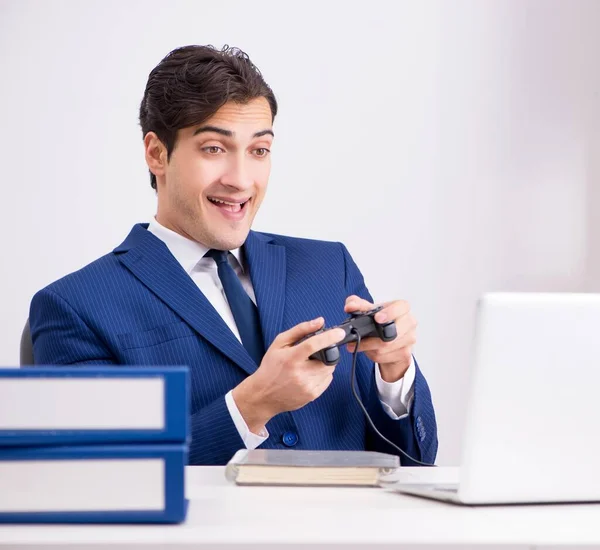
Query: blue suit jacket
[(137, 306)]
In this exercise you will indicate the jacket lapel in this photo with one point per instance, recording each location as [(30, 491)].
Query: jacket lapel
[(267, 265), (149, 259)]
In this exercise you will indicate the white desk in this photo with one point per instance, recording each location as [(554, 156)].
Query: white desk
[(226, 516)]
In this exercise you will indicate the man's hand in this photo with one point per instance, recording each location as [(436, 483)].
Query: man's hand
[(286, 379), (393, 357)]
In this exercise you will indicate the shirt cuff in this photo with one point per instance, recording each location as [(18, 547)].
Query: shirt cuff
[(396, 397), (251, 440)]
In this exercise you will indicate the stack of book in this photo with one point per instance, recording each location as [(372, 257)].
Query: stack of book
[(93, 444)]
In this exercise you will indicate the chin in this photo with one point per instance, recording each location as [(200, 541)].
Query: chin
[(230, 242)]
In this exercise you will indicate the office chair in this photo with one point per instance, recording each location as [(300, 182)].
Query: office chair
[(26, 346)]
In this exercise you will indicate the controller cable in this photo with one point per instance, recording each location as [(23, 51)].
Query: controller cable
[(364, 410)]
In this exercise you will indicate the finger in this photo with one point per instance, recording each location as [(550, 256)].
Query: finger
[(393, 311), (407, 333), (291, 336), (372, 344), (375, 344), (405, 325), (320, 341), (356, 303), (317, 369), (369, 344), (393, 356)]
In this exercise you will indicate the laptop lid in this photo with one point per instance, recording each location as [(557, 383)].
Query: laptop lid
[(533, 421)]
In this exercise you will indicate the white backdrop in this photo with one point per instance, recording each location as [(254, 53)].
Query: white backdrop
[(453, 146)]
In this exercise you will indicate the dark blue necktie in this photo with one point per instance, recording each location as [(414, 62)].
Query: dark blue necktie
[(244, 311)]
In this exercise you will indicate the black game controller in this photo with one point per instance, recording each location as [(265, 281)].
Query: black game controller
[(362, 322)]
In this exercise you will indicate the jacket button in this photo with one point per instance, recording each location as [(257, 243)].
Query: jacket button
[(290, 439)]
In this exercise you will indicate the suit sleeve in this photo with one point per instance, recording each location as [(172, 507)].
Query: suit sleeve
[(61, 337), (415, 434)]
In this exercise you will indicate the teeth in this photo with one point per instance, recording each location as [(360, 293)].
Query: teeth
[(226, 205), (225, 202)]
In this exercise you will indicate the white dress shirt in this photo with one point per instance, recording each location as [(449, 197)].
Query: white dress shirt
[(396, 397)]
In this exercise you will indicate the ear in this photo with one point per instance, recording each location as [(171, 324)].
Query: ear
[(156, 154)]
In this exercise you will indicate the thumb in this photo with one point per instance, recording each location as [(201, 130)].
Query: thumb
[(291, 336)]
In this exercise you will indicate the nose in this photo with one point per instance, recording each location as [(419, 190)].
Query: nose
[(237, 174)]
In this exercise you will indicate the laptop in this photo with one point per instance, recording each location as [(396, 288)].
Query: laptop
[(532, 431)]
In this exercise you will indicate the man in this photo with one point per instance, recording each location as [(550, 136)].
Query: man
[(196, 286)]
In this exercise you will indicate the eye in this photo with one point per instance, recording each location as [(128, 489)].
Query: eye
[(213, 150), (261, 152)]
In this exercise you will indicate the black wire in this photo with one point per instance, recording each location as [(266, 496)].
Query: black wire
[(364, 410)]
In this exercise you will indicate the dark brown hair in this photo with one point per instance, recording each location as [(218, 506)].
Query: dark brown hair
[(191, 84)]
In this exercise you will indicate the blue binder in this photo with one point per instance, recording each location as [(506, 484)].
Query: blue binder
[(168, 484), (174, 428)]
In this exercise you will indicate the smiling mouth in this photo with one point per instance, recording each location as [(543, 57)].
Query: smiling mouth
[(231, 206)]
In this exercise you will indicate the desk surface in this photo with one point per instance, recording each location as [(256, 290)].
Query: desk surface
[(226, 516)]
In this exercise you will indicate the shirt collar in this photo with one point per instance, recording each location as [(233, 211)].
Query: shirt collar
[(186, 251)]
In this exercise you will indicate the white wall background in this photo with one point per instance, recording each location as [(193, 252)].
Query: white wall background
[(453, 146)]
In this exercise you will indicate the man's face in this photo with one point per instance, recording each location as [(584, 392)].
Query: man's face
[(216, 178)]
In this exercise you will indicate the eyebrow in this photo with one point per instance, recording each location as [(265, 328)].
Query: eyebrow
[(229, 133)]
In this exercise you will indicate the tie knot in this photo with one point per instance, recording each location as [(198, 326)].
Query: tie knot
[(219, 256)]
